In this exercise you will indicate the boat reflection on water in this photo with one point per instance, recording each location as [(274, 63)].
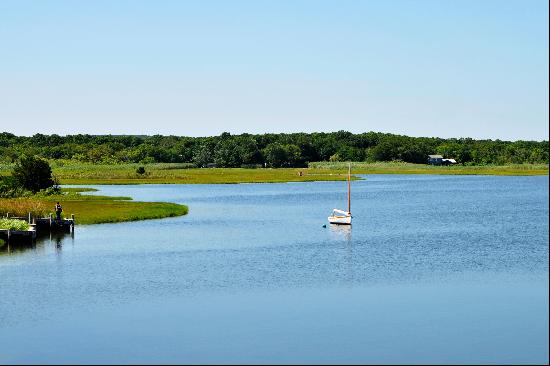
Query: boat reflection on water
[(341, 232)]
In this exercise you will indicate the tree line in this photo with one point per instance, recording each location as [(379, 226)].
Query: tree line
[(272, 150)]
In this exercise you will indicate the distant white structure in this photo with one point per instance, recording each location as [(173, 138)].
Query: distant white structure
[(435, 159), (439, 160), (449, 162)]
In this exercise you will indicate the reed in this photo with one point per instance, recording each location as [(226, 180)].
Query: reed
[(23, 206)]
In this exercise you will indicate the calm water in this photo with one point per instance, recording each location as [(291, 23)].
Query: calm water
[(435, 269)]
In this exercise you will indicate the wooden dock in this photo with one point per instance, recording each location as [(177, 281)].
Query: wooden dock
[(18, 235), (37, 226), (52, 224)]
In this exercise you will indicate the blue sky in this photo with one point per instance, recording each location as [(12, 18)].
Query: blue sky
[(421, 68)]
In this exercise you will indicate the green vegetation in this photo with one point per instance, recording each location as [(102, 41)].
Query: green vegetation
[(91, 209), (29, 175), (106, 210), (30, 189), (80, 173), (22, 206), (86, 159), (171, 173), (407, 168), (32, 174), (11, 224), (271, 150)]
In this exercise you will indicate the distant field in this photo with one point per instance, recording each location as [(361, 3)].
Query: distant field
[(180, 173), (173, 173), (407, 168)]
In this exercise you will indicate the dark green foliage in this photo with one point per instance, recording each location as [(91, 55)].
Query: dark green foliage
[(33, 174), (140, 170), (10, 189), (275, 150)]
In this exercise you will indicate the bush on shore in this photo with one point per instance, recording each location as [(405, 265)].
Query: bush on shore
[(11, 224), (32, 174)]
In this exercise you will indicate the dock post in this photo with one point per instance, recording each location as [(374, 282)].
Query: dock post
[(30, 221), (50, 221), (72, 223)]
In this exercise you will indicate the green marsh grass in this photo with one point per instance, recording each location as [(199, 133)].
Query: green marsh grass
[(91, 209), (164, 173), (173, 173), (408, 168), (110, 211)]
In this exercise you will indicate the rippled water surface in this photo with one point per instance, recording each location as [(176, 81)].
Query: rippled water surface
[(449, 269)]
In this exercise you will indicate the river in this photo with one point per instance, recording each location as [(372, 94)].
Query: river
[(435, 269)]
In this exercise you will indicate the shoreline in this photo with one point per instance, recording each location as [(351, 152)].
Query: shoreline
[(123, 175), (91, 209)]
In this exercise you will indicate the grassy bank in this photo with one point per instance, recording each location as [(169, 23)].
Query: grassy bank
[(91, 209), (171, 173), (175, 173), (407, 168), (180, 173)]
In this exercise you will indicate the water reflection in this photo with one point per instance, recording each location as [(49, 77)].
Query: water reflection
[(341, 232), (15, 248), (43, 242)]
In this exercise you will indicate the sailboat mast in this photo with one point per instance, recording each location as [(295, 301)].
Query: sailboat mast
[(349, 187)]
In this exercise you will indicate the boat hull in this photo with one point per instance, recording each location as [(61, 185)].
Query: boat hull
[(339, 220)]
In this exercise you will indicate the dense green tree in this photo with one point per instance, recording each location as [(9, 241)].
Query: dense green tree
[(33, 174), (275, 155), (248, 151), (227, 154), (203, 156)]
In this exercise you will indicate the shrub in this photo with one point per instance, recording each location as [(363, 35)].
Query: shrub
[(33, 174), (11, 224), (10, 189), (140, 170)]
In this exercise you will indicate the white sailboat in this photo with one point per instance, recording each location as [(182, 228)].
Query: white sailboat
[(340, 217)]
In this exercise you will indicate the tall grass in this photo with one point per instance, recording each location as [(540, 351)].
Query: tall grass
[(22, 207)]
